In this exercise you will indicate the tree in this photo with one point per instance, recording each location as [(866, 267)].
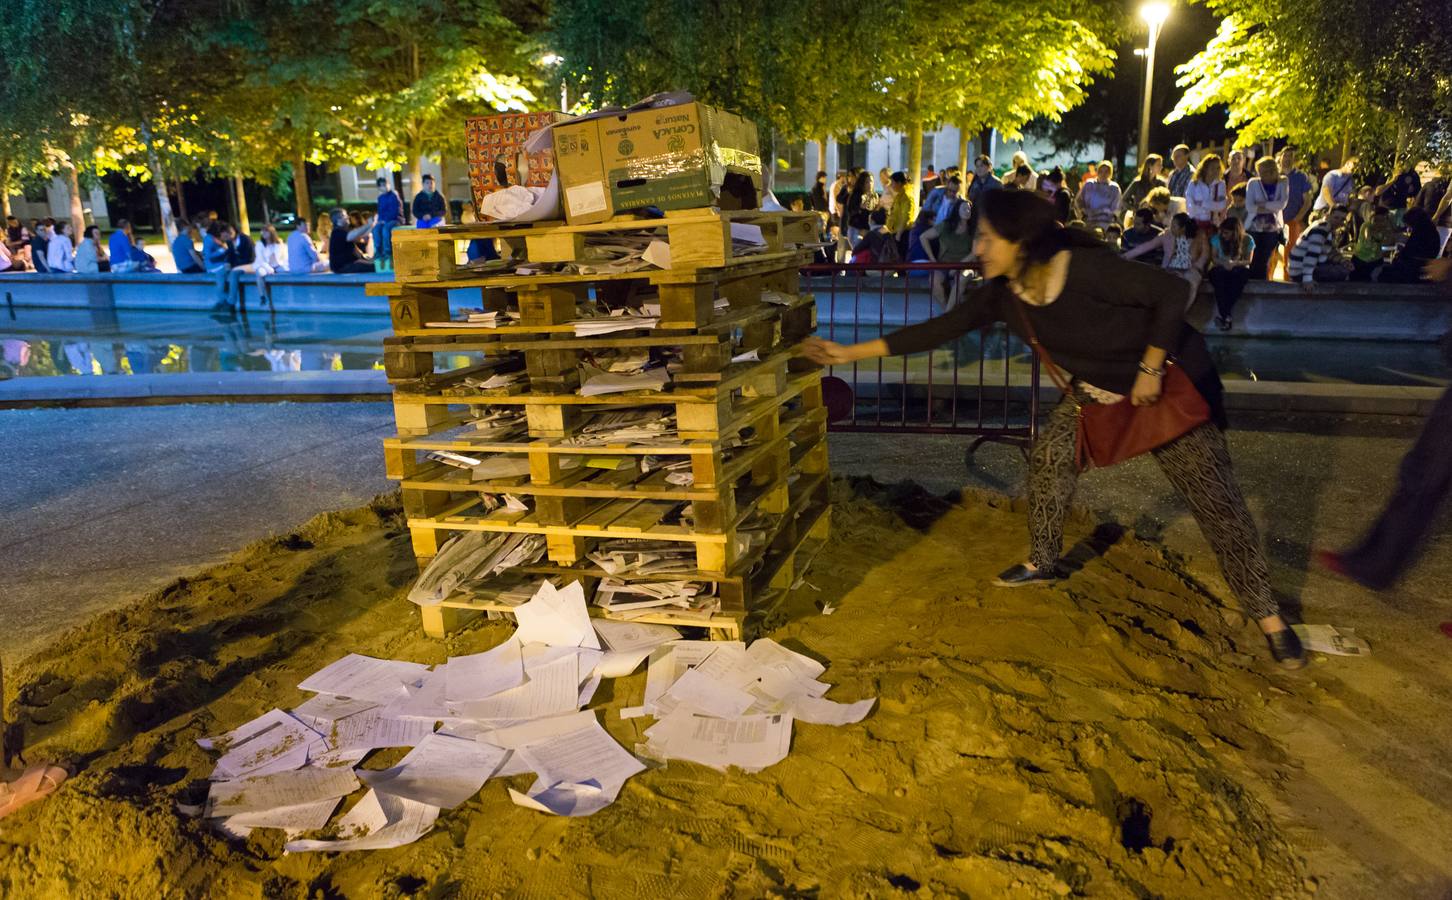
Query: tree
[(1274, 67)]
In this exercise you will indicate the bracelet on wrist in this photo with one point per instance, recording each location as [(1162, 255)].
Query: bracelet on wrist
[(1158, 373)]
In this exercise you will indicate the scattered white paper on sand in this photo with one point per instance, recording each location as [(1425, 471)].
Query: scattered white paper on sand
[(559, 618), (365, 678), (441, 771), (484, 674), (378, 822), (273, 742), (562, 799), (552, 689), (373, 730), (325, 709), (580, 771), (619, 664), (670, 661), (303, 817), (750, 743), (1331, 639), (270, 792), (700, 692), (817, 711), (768, 654)]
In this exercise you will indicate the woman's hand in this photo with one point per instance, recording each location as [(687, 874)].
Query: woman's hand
[(1147, 389), (831, 353)]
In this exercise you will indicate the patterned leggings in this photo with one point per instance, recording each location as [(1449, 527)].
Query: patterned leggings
[(1197, 464)]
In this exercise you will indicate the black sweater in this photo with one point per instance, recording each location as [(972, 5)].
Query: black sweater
[(1097, 330)]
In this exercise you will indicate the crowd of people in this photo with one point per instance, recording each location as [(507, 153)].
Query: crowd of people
[(1222, 221), (344, 242)]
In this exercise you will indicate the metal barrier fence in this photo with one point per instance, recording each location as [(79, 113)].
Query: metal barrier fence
[(986, 384)]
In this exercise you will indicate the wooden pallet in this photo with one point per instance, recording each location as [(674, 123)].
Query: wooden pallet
[(745, 593), (698, 238), (687, 296)]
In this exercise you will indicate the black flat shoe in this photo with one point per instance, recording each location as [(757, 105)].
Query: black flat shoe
[(1022, 576), (1286, 648)]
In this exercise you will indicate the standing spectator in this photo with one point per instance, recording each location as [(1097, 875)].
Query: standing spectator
[(91, 257), (1143, 230), (184, 249), (302, 256), (983, 181), (1231, 250), (1139, 189), (901, 211), (120, 246), (1015, 178), (60, 256), (1206, 197), (1236, 209), (1265, 199), (1436, 199), (1100, 199), (861, 202), (1315, 257), (1419, 250), (930, 179), (343, 255), (1058, 195), (1336, 187), (1180, 178), (885, 194), (819, 194), (1301, 194), (428, 206), (390, 215), (1235, 174), (1377, 234), (40, 245), (953, 240), (271, 259)]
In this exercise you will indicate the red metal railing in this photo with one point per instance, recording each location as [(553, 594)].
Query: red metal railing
[(985, 384)]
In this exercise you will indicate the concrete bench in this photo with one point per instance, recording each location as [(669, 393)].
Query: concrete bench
[(1394, 312), (290, 293)]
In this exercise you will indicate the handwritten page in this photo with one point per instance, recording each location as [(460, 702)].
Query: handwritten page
[(365, 678), (484, 674), (440, 771), (273, 742), (378, 822), (325, 709), (269, 792), (372, 730)]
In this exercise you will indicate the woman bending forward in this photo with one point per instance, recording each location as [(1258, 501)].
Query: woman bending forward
[(1112, 324)]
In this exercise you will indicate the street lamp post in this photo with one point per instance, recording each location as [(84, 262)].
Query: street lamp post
[(1154, 15)]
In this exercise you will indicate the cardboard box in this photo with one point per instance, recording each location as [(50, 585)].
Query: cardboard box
[(494, 150), (671, 157)]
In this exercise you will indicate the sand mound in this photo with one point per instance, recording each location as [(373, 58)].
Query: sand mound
[(1099, 739)]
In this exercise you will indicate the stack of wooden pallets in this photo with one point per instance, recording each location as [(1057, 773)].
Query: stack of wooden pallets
[(752, 431)]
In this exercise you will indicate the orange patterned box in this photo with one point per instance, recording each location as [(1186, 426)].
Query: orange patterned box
[(494, 150)]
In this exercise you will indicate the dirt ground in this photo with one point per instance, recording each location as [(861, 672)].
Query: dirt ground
[(1123, 735)]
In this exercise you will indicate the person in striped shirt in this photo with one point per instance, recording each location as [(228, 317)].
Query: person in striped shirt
[(1315, 257)]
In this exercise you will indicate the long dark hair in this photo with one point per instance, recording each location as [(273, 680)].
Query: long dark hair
[(1027, 219)]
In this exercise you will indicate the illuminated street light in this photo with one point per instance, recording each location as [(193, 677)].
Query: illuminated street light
[(1154, 15)]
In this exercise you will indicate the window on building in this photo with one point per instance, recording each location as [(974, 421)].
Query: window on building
[(929, 145), (791, 164), (851, 153)]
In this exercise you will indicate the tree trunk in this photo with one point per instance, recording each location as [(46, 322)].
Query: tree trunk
[(158, 179), (78, 211), (5, 188), (821, 160), (415, 179), (964, 136), (915, 161), (181, 199), (985, 141), (243, 225), (1404, 139), (300, 187)]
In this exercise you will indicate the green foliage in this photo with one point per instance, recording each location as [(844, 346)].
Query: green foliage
[(1375, 77)]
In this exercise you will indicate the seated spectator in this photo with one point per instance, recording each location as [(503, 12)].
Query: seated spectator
[(1420, 248), (1159, 201), (214, 257), (271, 259), (324, 230), (40, 245), (1180, 251), (7, 262), (20, 256), (428, 206), (344, 257), (1205, 196), (949, 241), (878, 245), (121, 247), (1144, 230), (1020, 178), (302, 256), (1058, 195), (1315, 258), (942, 198), (479, 248), (1100, 199), (60, 255), (1112, 236), (1231, 250), (184, 249), (917, 252), (242, 258), (1378, 235), (91, 257), (12, 234)]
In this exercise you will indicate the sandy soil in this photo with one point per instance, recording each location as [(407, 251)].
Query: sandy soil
[(1121, 736)]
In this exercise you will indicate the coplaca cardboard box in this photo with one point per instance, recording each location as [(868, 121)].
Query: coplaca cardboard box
[(494, 150), (671, 157)]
